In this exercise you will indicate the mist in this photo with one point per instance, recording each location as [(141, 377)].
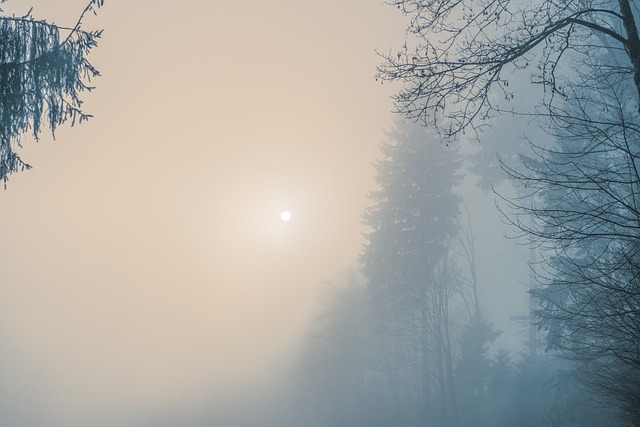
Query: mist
[(149, 279)]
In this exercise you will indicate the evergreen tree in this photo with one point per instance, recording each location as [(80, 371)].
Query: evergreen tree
[(411, 276), (43, 70), (338, 383), (414, 213), (585, 203)]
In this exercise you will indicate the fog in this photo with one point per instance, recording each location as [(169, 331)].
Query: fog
[(148, 279)]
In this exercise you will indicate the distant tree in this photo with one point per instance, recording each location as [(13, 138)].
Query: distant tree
[(460, 56), (337, 379), (43, 70), (582, 190), (545, 391), (414, 215), (474, 370), (411, 274)]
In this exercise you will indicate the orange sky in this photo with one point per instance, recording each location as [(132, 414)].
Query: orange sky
[(147, 258), (144, 260)]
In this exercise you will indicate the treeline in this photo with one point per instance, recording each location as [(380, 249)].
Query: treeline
[(570, 69), (353, 374), (406, 340)]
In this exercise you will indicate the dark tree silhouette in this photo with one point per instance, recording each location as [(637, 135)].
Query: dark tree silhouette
[(459, 56), (583, 193), (43, 70)]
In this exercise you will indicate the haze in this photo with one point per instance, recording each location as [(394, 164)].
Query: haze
[(148, 279)]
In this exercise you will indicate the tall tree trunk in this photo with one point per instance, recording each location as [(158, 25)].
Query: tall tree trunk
[(633, 42), (442, 388), (453, 403)]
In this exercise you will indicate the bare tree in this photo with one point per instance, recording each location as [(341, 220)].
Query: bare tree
[(583, 194), (459, 56), (583, 191)]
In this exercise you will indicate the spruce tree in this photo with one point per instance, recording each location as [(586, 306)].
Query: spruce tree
[(411, 275), (43, 70)]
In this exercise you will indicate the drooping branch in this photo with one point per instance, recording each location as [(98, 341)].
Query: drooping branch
[(41, 78)]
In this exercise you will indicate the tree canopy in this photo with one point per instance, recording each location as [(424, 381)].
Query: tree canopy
[(459, 56)]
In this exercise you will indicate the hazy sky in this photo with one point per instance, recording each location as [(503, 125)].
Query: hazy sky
[(144, 260)]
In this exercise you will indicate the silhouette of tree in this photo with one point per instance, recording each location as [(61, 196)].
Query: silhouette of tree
[(43, 70), (583, 193), (459, 57), (408, 262)]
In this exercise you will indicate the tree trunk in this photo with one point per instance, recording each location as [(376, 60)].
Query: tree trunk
[(633, 42)]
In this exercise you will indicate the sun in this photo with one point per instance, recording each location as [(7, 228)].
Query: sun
[(285, 216)]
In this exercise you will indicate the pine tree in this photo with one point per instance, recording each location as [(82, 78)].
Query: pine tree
[(43, 70), (411, 278), (414, 213)]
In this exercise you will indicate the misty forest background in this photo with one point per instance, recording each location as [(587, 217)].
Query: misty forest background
[(533, 104)]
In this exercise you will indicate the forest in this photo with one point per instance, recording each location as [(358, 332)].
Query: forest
[(534, 105), (407, 339)]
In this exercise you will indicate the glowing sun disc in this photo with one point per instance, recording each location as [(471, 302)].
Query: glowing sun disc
[(285, 216)]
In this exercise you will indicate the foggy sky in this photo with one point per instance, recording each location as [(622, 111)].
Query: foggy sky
[(144, 262)]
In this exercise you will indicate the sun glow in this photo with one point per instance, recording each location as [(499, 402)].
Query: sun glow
[(285, 216)]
